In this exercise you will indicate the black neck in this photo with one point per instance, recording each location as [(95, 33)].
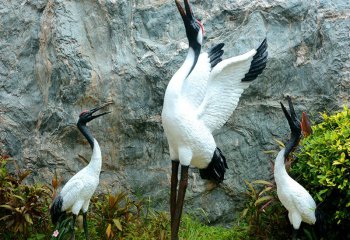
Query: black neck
[(197, 50), (86, 132), (291, 144)]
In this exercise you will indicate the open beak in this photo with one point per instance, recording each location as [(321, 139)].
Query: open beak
[(305, 125), (92, 111), (295, 129), (292, 117), (188, 15)]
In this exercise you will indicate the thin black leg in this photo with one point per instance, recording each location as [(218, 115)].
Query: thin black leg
[(179, 203), (174, 181), (72, 227), (85, 226), (295, 234)]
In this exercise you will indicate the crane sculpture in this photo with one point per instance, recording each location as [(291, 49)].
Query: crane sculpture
[(294, 197), (200, 98), (77, 192)]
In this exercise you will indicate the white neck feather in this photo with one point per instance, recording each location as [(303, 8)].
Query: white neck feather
[(200, 37), (96, 159), (176, 82), (280, 168)]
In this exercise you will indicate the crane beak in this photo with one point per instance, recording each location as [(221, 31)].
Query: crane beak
[(292, 117), (295, 128), (92, 111), (305, 125), (187, 14)]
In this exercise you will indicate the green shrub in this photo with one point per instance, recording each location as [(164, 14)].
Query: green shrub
[(114, 213), (193, 229), (322, 166), (24, 214), (264, 213), (23, 207)]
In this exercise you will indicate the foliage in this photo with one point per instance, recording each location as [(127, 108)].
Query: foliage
[(323, 167), (264, 213), (25, 215), (62, 229), (192, 229), (22, 207), (114, 213), (122, 218)]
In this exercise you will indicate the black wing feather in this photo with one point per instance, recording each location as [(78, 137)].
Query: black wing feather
[(215, 54), (258, 63)]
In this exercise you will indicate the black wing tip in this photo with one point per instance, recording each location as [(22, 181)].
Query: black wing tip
[(215, 53), (215, 48), (258, 63), (263, 46), (215, 62)]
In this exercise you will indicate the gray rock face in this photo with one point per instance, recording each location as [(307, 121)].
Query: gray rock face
[(58, 57)]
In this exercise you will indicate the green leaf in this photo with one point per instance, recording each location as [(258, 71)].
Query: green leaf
[(19, 197), (5, 218), (280, 143), (263, 199), (28, 218), (244, 212), (262, 182), (7, 207), (250, 187), (267, 189), (118, 224)]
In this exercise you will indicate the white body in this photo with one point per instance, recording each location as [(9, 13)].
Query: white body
[(197, 104), (296, 199), (77, 192)]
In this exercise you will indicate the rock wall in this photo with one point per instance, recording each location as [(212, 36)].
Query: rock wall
[(58, 57)]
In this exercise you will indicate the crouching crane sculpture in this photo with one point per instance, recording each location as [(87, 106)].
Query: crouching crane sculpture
[(294, 197)]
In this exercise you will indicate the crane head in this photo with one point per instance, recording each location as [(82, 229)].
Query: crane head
[(294, 125), (194, 28), (87, 115)]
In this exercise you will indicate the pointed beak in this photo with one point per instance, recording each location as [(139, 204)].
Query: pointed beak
[(305, 125), (98, 108), (292, 117), (294, 125), (187, 15)]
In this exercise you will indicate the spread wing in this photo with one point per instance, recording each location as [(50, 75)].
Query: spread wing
[(226, 83), (195, 86)]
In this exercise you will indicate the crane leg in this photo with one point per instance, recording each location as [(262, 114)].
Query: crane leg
[(179, 203), (295, 234), (85, 226), (173, 190), (72, 236)]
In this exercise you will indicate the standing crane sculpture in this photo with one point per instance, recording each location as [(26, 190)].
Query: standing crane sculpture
[(294, 197), (200, 98), (77, 192)]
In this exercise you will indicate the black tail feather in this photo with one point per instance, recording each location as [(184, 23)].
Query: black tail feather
[(55, 210), (216, 168), (258, 63), (321, 224)]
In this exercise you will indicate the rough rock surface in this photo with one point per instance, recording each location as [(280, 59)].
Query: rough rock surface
[(58, 57)]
